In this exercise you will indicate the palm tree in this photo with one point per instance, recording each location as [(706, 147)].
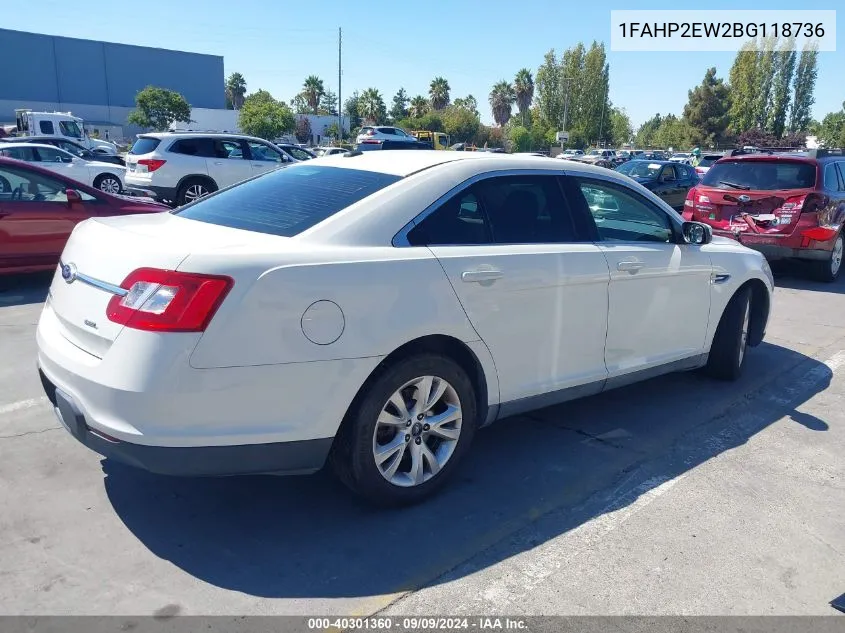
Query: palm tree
[(523, 86), (419, 106), (438, 92), (371, 105), (502, 98), (313, 91), (236, 90)]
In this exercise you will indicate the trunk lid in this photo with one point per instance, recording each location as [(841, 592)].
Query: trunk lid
[(760, 211), (100, 254)]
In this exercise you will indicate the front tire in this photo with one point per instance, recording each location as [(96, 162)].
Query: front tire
[(730, 344), (108, 183), (408, 431), (828, 270)]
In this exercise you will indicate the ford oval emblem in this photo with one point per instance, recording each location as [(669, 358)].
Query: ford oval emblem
[(69, 273), (744, 198)]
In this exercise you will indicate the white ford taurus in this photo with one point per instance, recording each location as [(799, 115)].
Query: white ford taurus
[(373, 310)]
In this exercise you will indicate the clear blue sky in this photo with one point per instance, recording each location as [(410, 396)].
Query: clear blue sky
[(275, 44)]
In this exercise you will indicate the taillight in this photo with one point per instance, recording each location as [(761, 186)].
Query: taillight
[(168, 301), (820, 233), (151, 163), (689, 202)]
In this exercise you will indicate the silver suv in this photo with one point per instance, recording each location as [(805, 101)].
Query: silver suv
[(180, 167)]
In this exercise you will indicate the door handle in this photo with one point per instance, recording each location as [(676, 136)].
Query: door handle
[(630, 267), (478, 276)]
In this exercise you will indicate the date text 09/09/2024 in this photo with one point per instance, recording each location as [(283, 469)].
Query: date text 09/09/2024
[(702, 30), (417, 624)]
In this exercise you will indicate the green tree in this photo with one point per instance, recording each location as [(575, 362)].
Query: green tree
[(328, 103), (673, 132), (784, 68), (431, 121), (236, 90), (831, 131), (265, 117), (438, 92), (419, 106), (502, 98), (371, 106), (313, 91), (460, 123), (647, 132), (707, 110), (803, 88), (743, 80), (159, 108), (302, 131), (467, 103), (594, 82), (399, 109), (299, 105), (523, 85), (350, 109), (520, 139), (572, 89), (548, 86), (620, 126), (764, 81)]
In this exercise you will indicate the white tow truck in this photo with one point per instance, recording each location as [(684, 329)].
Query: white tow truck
[(59, 124)]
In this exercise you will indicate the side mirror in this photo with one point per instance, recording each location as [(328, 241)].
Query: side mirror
[(73, 197), (697, 233)]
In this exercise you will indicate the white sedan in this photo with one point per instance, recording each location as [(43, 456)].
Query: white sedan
[(373, 310), (106, 177)]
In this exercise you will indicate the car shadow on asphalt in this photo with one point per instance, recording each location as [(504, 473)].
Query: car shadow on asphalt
[(553, 470), (798, 275), (18, 290)]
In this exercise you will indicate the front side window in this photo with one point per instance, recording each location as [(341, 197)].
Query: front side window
[(668, 174), (299, 153), (70, 128), (262, 152), (229, 149), (52, 155), (74, 149), (621, 215), (500, 210), (17, 185)]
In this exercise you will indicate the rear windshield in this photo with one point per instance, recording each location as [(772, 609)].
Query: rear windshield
[(706, 161), (289, 200), (761, 175), (144, 145)]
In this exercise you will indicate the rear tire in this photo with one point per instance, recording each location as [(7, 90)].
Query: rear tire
[(730, 344), (109, 183), (379, 444), (828, 270), (193, 189)]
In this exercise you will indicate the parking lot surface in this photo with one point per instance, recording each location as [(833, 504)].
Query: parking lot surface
[(677, 496)]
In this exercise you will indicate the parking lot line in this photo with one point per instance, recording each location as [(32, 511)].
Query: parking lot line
[(21, 404)]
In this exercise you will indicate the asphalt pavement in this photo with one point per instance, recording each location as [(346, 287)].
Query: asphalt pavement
[(680, 495)]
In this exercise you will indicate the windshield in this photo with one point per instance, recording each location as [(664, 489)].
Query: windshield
[(761, 175), (287, 201), (595, 152), (70, 128), (640, 169)]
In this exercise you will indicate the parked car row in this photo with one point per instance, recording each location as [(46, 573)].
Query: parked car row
[(105, 176)]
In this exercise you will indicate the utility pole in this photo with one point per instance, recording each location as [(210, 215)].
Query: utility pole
[(339, 97), (603, 105)]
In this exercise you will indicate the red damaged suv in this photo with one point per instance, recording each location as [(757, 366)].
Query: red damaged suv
[(787, 206)]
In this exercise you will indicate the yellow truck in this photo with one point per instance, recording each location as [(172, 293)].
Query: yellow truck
[(438, 140)]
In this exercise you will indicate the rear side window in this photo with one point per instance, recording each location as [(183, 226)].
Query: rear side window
[(287, 201), (193, 147), (144, 145), (761, 175), (46, 127)]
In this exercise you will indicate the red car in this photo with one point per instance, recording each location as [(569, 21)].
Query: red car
[(787, 206), (39, 209)]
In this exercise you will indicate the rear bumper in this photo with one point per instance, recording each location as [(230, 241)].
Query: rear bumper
[(150, 191), (778, 247), (289, 458)]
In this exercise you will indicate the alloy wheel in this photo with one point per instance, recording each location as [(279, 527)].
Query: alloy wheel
[(836, 257), (417, 431), (110, 185), (195, 192)]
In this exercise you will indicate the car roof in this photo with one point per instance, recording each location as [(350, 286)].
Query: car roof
[(404, 163), (659, 161), (793, 157), (221, 135), (43, 145)]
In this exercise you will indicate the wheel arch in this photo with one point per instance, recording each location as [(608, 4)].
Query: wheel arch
[(204, 177), (760, 307), (448, 346)]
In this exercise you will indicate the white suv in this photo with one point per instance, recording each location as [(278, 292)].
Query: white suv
[(178, 167), (373, 134)]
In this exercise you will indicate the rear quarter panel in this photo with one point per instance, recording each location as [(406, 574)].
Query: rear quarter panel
[(387, 296)]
